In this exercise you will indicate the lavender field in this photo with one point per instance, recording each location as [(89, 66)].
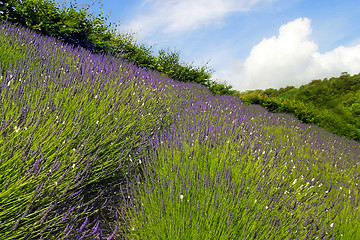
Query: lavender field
[(93, 147)]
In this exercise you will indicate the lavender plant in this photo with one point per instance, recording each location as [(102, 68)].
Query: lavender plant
[(93, 147), (71, 132), (230, 171)]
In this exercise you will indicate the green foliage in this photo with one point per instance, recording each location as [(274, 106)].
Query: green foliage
[(331, 103), (139, 54), (220, 88), (304, 112), (169, 63), (73, 24), (76, 25)]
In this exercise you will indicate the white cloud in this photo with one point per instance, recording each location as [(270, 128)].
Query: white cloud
[(291, 58), (176, 16)]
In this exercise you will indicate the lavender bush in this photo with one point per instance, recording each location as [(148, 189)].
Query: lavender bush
[(93, 147), (71, 133)]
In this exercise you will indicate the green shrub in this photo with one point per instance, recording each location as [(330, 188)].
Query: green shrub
[(332, 104), (77, 26)]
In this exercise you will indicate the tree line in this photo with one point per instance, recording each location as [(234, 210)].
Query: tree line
[(78, 26), (330, 103)]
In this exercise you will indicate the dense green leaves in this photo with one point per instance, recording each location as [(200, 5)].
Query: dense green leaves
[(73, 24), (331, 103)]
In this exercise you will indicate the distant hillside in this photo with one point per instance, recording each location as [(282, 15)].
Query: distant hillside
[(330, 103)]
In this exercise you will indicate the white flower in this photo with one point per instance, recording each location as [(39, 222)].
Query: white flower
[(331, 225), (181, 197), (97, 122), (17, 129), (255, 201), (294, 182)]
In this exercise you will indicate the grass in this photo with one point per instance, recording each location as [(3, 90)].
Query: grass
[(93, 147)]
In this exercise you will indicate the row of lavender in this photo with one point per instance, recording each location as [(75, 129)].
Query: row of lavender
[(73, 128), (225, 170), (229, 171), (79, 132)]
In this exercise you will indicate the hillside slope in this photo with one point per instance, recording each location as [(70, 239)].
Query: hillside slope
[(77, 25), (94, 147)]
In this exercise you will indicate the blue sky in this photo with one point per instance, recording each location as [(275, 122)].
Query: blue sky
[(251, 44)]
